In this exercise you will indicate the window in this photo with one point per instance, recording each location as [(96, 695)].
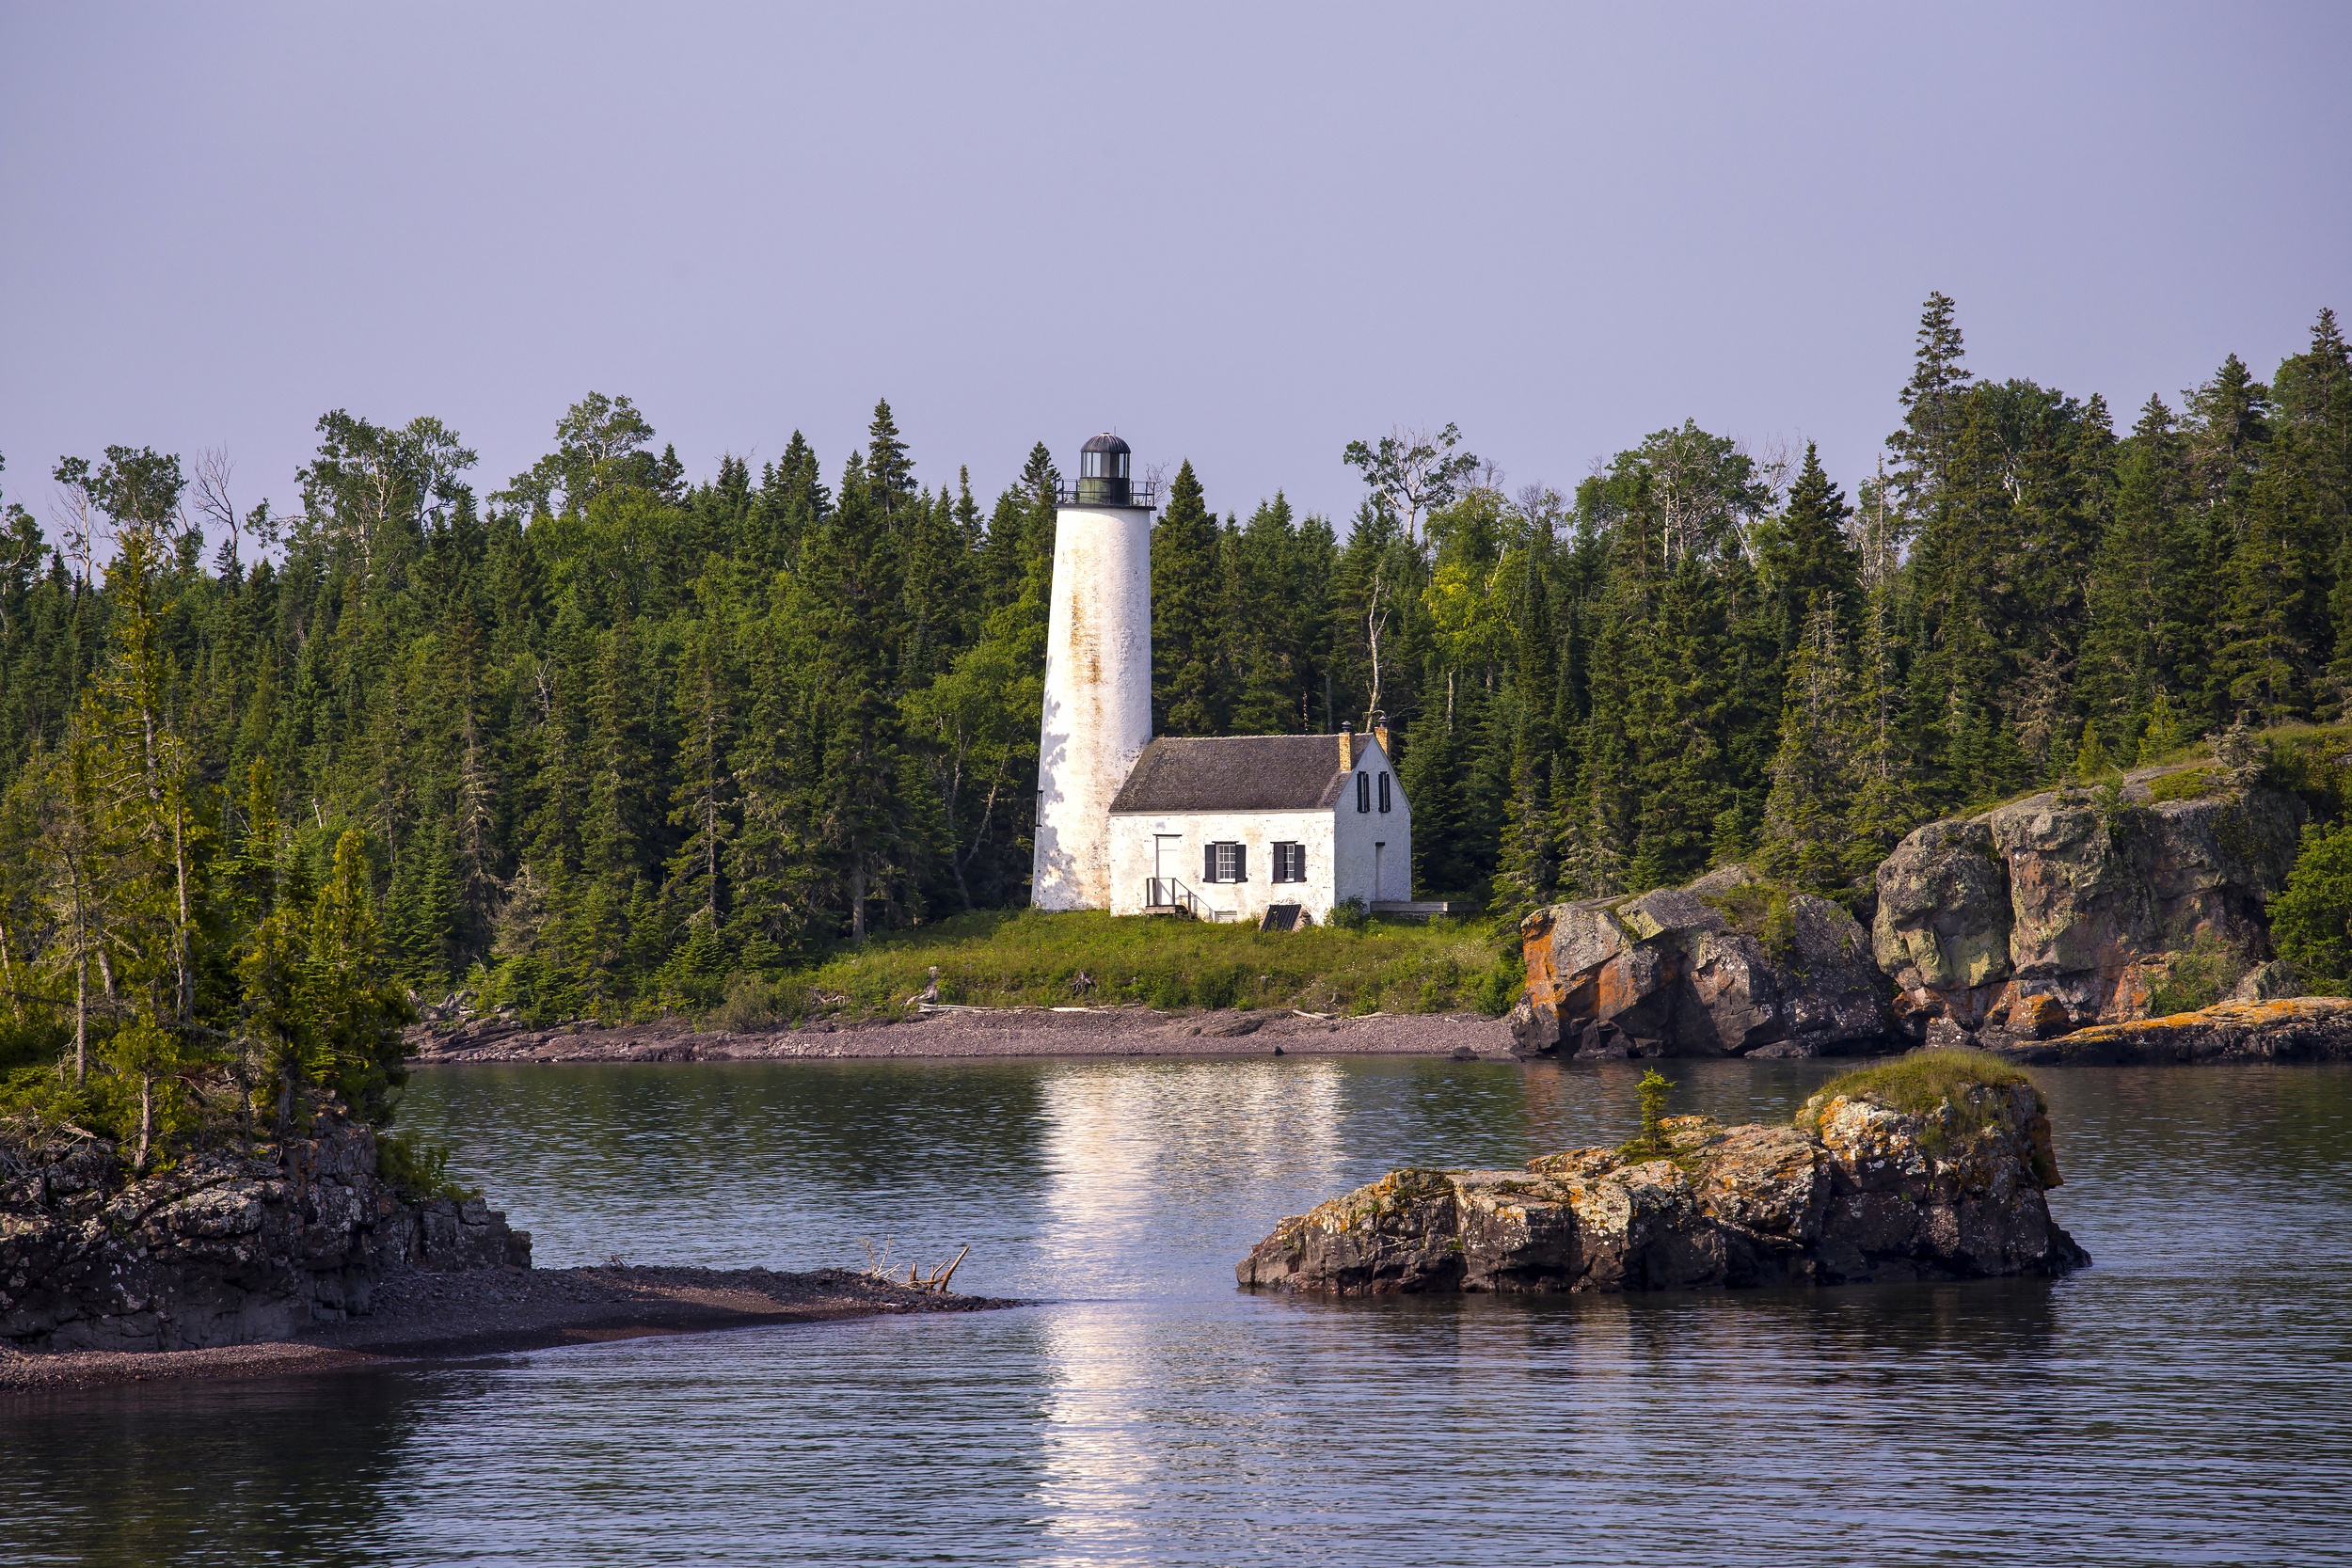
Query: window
[(1364, 792), (1225, 863), (1384, 792), (1290, 863)]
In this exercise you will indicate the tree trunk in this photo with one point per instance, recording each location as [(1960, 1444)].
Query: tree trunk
[(186, 994), (147, 1121), (8, 977), (857, 896)]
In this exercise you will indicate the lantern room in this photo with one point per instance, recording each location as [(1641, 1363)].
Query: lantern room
[(1103, 477)]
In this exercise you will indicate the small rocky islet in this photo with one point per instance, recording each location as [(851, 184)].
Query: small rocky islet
[(1933, 1166), (305, 1254)]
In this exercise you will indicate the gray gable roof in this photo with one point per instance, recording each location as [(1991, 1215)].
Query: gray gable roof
[(1238, 772)]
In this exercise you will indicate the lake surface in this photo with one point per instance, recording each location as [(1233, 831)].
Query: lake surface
[(2187, 1400)]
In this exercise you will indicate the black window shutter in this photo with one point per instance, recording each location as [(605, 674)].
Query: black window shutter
[(1241, 863), (1384, 792), (1208, 862), (1364, 792)]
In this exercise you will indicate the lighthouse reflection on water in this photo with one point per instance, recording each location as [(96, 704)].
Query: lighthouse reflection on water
[(1154, 1145)]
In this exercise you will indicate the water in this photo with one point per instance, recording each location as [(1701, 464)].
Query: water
[(2185, 1400)]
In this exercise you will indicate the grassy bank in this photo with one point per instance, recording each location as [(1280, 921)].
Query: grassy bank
[(1027, 959), (1919, 1081)]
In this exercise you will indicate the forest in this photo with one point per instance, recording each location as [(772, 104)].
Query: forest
[(602, 740)]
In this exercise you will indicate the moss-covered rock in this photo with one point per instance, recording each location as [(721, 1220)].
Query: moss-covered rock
[(1931, 1167), (2060, 910)]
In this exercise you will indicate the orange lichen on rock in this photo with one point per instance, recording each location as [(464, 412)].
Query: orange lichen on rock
[(2284, 1029)]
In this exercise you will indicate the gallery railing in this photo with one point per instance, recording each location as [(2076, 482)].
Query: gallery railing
[(1108, 492)]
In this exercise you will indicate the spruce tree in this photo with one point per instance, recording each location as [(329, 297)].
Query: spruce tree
[(889, 474), (2141, 584), (1526, 875), (1806, 815), (1805, 558), (1189, 683), (842, 633), (1928, 444)]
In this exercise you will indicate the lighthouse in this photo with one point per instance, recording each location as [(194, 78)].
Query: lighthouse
[(1098, 675)]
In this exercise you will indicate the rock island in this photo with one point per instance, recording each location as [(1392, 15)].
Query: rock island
[(1933, 1166)]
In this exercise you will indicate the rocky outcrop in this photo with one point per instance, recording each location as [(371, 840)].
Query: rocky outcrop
[(2061, 910), (1855, 1191), (1727, 966), (224, 1250), (2288, 1029)]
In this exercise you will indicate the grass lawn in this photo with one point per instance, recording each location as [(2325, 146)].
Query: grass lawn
[(1027, 958)]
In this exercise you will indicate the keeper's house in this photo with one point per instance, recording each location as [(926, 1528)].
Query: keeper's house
[(1230, 828)]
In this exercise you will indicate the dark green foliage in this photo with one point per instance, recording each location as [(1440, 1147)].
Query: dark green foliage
[(1191, 690), (419, 1166), (2197, 976), (1762, 911), (1806, 560), (1651, 1098), (2189, 783), (2311, 921)]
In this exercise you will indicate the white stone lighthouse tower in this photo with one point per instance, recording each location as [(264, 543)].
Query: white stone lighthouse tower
[(1098, 675)]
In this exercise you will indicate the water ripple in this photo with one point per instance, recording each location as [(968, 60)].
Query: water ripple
[(2185, 1402)]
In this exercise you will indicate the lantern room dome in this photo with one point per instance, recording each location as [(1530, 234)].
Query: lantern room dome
[(1105, 473)]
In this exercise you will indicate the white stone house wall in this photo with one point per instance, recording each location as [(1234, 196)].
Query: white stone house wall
[(1375, 849), (1135, 840), (1346, 851)]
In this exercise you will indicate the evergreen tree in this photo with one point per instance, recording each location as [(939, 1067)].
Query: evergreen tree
[(1806, 815), (889, 475), (1525, 874), (1189, 686), (1928, 445), (1805, 558)]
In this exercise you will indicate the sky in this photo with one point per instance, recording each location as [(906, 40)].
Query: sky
[(1240, 235)]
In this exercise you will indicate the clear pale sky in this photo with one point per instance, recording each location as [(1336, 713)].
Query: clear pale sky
[(1238, 234)]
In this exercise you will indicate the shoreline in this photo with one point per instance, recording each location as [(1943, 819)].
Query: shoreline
[(2308, 1028), (425, 1316), (976, 1032)]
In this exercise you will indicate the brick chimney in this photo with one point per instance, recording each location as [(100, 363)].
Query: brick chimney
[(1347, 748), (1380, 733)]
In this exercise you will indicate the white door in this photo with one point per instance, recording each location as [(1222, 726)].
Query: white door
[(1164, 861)]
